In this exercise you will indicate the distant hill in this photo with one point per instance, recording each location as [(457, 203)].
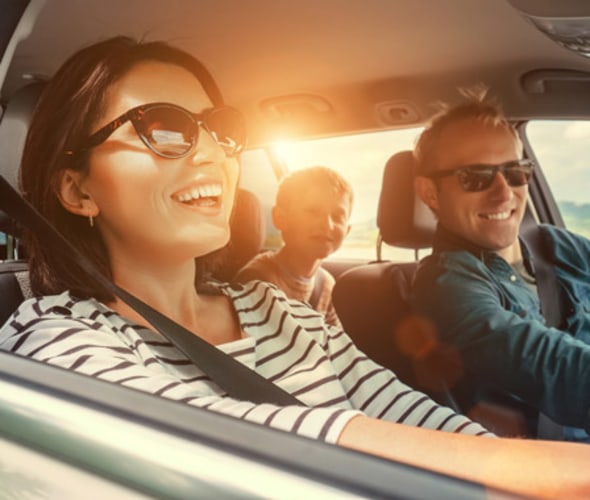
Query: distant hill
[(576, 216)]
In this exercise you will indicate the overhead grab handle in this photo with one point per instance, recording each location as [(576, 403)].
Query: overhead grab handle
[(535, 82)]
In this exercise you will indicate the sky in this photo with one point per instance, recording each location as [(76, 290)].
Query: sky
[(563, 151)]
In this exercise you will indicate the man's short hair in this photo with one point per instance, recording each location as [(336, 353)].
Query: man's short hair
[(477, 106), (295, 184)]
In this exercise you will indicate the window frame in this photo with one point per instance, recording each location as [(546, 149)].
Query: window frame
[(327, 468)]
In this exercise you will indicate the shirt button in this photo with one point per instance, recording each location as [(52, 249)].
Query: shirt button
[(512, 277)]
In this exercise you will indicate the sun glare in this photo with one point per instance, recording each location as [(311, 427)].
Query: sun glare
[(285, 151)]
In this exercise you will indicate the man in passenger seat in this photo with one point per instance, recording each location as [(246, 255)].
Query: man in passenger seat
[(312, 211), (478, 287)]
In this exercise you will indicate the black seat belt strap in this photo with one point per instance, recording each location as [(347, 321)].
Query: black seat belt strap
[(549, 297), (236, 379), (547, 285)]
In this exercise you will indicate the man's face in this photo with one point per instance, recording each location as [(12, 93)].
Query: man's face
[(488, 218)]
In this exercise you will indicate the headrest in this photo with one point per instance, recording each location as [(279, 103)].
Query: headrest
[(248, 232), (402, 218), (14, 127), (248, 227), (13, 133)]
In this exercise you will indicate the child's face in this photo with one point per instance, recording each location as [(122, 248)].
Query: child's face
[(316, 224)]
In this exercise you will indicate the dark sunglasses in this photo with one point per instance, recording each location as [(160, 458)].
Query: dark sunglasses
[(172, 131), (473, 178)]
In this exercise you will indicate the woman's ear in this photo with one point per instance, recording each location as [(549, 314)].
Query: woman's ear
[(73, 198), (426, 190)]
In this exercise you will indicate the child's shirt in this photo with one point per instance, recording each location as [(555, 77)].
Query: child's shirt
[(266, 267)]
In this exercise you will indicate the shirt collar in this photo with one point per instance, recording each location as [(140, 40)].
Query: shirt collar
[(447, 241)]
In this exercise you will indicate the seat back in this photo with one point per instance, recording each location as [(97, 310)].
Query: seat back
[(372, 299), (371, 302), (14, 285), (248, 232), (13, 133)]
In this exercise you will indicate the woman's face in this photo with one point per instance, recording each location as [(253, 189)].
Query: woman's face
[(139, 195)]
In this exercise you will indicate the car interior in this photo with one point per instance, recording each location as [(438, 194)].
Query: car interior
[(303, 70)]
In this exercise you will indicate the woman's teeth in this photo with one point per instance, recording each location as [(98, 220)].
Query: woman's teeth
[(198, 193)]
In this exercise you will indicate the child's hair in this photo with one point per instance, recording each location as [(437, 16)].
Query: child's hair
[(294, 185)]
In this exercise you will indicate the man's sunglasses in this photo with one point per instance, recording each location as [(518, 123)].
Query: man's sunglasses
[(473, 178), (172, 131)]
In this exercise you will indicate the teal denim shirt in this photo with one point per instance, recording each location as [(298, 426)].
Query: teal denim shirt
[(482, 308)]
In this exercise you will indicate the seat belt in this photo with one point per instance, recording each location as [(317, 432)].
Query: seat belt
[(547, 285), (549, 297), (236, 379)]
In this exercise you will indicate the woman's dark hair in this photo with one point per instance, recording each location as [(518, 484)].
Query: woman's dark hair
[(71, 103)]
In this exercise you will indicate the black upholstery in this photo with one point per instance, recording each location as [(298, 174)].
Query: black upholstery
[(372, 299), (13, 287), (248, 231), (13, 131)]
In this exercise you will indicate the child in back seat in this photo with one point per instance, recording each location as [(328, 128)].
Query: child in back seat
[(312, 212)]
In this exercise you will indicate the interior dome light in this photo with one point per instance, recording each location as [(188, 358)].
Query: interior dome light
[(573, 33)]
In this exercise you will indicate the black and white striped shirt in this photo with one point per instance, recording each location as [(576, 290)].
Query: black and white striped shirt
[(285, 341)]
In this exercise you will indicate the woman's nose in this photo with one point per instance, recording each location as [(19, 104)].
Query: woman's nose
[(207, 148)]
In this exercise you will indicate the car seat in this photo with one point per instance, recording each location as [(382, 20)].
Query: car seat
[(372, 300), (248, 232), (14, 285), (14, 125)]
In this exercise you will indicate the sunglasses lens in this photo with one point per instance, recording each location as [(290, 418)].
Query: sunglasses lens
[(169, 131), (476, 179), (226, 125), (172, 132), (518, 175), (480, 177)]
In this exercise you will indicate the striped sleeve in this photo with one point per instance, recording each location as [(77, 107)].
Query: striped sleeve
[(377, 392), (90, 347), (321, 365)]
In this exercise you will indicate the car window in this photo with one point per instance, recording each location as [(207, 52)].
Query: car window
[(562, 148), (360, 158)]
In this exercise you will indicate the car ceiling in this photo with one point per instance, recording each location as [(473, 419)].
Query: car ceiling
[(323, 67)]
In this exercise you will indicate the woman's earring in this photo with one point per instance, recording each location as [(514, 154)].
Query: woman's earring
[(91, 220)]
